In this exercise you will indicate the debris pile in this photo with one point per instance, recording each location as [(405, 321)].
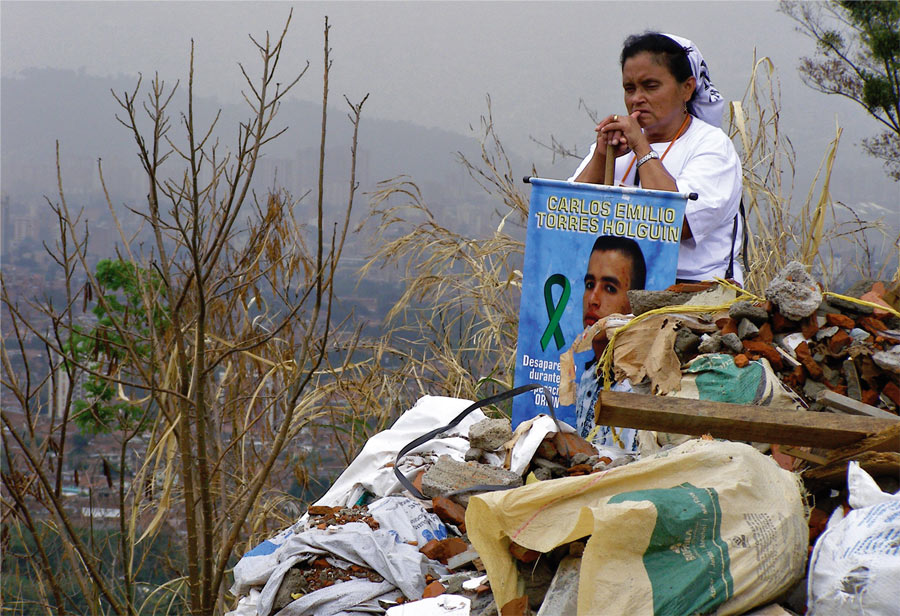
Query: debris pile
[(815, 343), (487, 520)]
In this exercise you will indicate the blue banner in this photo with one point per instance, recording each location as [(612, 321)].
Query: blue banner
[(567, 221)]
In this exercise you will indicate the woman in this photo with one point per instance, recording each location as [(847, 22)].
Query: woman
[(670, 140)]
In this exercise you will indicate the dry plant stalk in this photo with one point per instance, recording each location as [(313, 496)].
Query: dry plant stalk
[(221, 383)]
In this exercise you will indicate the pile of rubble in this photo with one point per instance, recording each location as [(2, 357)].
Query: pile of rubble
[(408, 551), (816, 344)]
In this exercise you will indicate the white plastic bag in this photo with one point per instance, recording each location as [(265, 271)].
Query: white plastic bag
[(854, 569)]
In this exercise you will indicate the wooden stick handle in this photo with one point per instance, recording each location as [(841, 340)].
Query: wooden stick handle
[(610, 165)]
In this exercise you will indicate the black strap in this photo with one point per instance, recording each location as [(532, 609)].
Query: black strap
[(475, 405)]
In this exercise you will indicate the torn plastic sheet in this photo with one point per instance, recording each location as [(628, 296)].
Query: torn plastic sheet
[(407, 520), (344, 599), (401, 565), (371, 470), (444, 605)]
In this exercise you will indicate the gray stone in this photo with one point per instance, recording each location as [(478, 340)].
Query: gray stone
[(831, 376), (490, 434), (580, 458), (827, 332), (541, 473), (293, 582), (842, 305), (794, 291), (643, 301), (888, 360), (747, 310), (686, 342), (449, 475), (473, 454), (711, 343), (859, 335), (537, 577), (556, 469), (852, 377), (746, 329), (562, 595), (592, 460), (732, 343), (463, 558)]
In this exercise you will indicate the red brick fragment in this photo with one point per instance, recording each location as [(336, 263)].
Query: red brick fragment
[(320, 563), (523, 554), (870, 397), (322, 510), (568, 444), (765, 333), (805, 358), (838, 389), (449, 512), (547, 449), (580, 469), (433, 590), (839, 342), (727, 325), (796, 378), (690, 287), (872, 325), (417, 482), (781, 323), (809, 326), (818, 519), (841, 320), (741, 360), (892, 391), (444, 549), (764, 350), (516, 607)]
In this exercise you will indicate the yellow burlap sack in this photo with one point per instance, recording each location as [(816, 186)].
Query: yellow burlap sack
[(707, 527)]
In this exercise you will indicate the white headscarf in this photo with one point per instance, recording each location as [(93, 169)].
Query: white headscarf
[(707, 104)]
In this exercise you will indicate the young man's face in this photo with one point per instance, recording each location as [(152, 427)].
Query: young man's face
[(606, 283)]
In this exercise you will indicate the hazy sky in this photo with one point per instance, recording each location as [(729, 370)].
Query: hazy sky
[(433, 63)]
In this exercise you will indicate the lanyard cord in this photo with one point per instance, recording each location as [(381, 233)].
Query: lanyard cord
[(680, 132)]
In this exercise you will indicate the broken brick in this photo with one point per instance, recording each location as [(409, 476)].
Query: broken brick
[(892, 391), (741, 360), (727, 325), (872, 325), (547, 449), (764, 350), (839, 342), (449, 512), (580, 469), (841, 320), (805, 358), (433, 590), (690, 287), (809, 326), (869, 396), (781, 323), (568, 444), (523, 554), (765, 333), (441, 550), (322, 510)]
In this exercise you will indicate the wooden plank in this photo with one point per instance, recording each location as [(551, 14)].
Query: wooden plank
[(836, 402), (834, 474), (737, 422), (887, 439)]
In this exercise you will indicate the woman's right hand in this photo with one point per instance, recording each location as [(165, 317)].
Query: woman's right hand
[(622, 131)]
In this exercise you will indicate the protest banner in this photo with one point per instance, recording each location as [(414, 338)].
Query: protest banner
[(565, 219)]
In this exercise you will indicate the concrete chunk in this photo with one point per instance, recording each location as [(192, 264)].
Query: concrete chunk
[(562, 596), (490, 434), (448, 475)]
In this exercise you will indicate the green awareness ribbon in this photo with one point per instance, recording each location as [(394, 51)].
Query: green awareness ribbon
[(555, 312)]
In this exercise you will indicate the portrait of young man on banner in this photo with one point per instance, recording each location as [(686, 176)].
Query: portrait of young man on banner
[(590, 243)]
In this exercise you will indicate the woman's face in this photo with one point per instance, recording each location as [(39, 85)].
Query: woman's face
[(651, 89)]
